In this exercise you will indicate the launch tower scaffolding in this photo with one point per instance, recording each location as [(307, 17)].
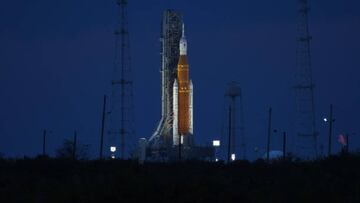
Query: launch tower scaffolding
[(171, 29)]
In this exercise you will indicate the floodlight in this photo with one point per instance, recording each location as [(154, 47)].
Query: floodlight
[(233, 157), (113, 149), (216, 143)]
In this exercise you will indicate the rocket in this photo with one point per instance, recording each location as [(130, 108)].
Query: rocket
[(183, 99)]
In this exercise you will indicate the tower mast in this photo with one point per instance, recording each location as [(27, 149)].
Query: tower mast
[(306, 135), (122, 107)]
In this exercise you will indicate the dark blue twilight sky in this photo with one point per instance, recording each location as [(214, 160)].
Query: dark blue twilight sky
[(56, 61)]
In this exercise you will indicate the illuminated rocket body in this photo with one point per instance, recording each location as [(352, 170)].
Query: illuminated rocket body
[(183, 99)]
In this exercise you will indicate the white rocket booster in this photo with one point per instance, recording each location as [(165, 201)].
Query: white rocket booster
[(175, 114), (176, 109), (191, 129)]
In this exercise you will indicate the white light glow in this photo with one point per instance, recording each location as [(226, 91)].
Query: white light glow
[(216, 160), (216, 143), (233, 157), (325, 120), (113, 149), (113, 156)]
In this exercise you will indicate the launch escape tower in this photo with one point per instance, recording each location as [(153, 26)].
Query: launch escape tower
[(171, 30), (121, 129), (306, 135)]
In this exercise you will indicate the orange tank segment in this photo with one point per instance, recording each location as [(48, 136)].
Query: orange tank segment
[(183, 60), (183, 96), (183, 115)]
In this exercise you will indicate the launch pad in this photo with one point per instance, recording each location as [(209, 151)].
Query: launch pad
[(175, 154)]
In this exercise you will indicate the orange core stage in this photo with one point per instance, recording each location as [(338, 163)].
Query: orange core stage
[(183, 96)]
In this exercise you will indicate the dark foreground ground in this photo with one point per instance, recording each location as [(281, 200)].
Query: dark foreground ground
[(49, 180)]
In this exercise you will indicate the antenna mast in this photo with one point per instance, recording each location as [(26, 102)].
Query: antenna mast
[(122, 106), (306, 135)]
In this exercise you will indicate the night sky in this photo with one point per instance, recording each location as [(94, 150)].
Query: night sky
[(56, 61)]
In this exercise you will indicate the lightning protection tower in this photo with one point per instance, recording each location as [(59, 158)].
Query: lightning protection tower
[(122, 129), (306, 136)]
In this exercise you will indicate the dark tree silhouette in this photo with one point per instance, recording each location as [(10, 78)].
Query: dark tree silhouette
[(69, 151)]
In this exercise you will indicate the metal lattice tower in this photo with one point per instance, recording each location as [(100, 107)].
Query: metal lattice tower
[(306, 135), (122, 129)]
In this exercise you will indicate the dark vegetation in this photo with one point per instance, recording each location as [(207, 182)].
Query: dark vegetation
[(68, 151), (336, 179)]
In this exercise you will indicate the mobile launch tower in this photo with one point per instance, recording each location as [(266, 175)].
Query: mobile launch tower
[(171, 30)]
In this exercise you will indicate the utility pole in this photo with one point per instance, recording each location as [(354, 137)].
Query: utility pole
[(122, 145), (322, 150), (180, 147), (284, 146), (268, 137), (44, 143), (330, 128), (229, 139), (102, 128), (242, 125), (74, 147), (347, 143)]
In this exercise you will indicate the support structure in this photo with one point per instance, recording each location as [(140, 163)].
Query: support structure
[(122, 129), (305, 128), (171, 31)]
